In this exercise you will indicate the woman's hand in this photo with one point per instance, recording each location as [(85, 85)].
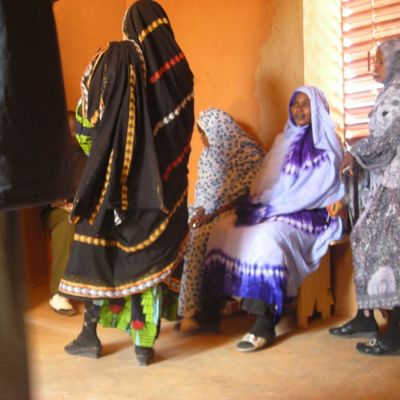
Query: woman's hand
[(197, 218), (346, 165), (64, 204)]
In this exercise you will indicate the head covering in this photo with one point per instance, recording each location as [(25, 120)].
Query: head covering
[(300, 172), (228, 165), (386, 108), (323, 126), (391, 56), (139, 99), (169, 90)]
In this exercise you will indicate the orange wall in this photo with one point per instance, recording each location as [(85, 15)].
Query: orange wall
[(83, 27), (323, 65), (247, 56), (222, 41)]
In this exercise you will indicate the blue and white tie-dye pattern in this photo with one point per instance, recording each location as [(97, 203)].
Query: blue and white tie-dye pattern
[(298, 179), (226, 170)]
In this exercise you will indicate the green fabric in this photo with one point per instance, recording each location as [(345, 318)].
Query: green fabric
[(83, 121), (170, 303), (151, 306), (85, 142)]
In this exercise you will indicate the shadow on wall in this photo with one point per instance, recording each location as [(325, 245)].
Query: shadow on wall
[(250, 132), (273, 104)]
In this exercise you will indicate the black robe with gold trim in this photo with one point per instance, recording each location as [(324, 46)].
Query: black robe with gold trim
[(131, 205)]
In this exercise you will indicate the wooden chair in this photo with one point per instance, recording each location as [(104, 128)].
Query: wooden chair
[(315, 293)]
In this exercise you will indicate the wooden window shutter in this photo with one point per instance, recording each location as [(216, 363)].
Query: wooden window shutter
[(365, 24)]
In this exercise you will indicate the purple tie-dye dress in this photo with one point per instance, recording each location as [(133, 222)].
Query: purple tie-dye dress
[(280, 234)]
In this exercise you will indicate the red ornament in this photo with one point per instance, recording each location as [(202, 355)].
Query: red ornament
[(137, 324), (116, 308)]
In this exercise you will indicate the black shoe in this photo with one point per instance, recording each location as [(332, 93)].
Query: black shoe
[(144, 355), (77, 347), (350, 331), (376, 347), (85, 345)]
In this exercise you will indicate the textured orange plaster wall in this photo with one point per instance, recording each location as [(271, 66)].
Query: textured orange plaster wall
[(281, 69), (222, 40), (83, 27), (323, 64)]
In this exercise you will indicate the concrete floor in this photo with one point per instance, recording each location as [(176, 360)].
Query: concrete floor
[(304, 364)]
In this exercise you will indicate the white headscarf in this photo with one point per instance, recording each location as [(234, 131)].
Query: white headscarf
[(314, 186)]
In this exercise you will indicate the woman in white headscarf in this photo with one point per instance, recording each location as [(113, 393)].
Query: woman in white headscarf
[(228, 164), (283, 229), (375, 237)]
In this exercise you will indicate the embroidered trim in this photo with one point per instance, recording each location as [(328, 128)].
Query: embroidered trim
[(130, 136), (172, 115), (175, 163), (166, 67), (99, 241), (93, 292), (85, 83), (103, 191), (142, 61), (150, 28)]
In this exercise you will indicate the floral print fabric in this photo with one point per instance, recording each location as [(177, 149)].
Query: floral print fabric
[(226, 170), (375, 237)]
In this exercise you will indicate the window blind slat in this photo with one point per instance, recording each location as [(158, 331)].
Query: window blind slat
[(365, 23)]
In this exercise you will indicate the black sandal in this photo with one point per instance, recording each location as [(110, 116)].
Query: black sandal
[(349, 331), (376, 347)]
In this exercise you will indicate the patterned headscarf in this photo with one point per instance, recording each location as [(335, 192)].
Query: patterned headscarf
[(387, 105), (228, 165), (389, 49)]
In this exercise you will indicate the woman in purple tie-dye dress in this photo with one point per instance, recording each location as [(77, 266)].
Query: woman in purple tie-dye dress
[(282, 229)]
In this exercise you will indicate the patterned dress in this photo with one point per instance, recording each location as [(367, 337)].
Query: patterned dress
[(375, 237), (225, 172), (281, 232)]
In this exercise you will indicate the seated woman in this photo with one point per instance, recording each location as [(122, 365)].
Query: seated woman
[(283, 228), (227, 166)]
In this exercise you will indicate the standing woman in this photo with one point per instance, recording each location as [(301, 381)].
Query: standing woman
[(375, 237), (136, 116)]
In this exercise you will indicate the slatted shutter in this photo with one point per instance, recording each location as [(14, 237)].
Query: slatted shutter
[(365, 24)]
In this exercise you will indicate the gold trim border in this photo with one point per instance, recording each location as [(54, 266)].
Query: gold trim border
[(102, 242)]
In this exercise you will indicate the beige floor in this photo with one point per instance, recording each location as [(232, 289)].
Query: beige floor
[(304, 364)]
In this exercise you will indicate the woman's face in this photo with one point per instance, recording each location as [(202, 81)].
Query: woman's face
[(301, 110), (379, 67)]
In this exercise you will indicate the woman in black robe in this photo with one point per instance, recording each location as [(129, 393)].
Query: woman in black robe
[(136, 119)]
